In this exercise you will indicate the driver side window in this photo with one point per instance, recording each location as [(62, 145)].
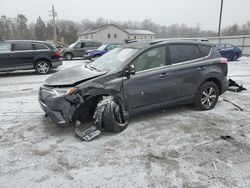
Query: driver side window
[(78, 45), (152, 58)]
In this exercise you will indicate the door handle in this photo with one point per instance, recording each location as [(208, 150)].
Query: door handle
[(201, 68), (165, 74), (10, 55)]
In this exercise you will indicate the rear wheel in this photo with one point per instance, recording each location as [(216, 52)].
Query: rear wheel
[(235, 57), (207, 96), (68, 56), (42, 67)]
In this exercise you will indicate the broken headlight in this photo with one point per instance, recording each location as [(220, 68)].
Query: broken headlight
[(64, 91)]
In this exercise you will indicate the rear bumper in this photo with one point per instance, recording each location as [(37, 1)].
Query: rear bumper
[(224, 86), (56, 63)]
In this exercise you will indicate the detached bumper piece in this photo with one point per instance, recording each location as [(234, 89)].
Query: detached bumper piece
[(87, 133), (235, 87)]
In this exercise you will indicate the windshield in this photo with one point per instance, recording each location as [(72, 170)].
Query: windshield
[(114, 58), (72, 45), (102, 47)]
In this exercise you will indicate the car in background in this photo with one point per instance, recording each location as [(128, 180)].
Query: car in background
[(135, 78), (101, 50), (79, 48), (229, 51), (60, 45), (28, 54)]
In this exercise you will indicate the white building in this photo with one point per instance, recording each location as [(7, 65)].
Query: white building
[(112, 33)]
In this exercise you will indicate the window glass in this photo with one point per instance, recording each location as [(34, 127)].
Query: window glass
[(5, 47), (23, 46), (110, 47), (40, 47), (229, 46), (115, 36), (220, 46), (114, 59), (109, 36), (151, 59), (202, 50), (182, 52), (98, 44), (89, 44), (79, 45)]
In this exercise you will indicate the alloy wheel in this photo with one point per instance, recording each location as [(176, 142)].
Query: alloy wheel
[(208, 97), (43, 67)]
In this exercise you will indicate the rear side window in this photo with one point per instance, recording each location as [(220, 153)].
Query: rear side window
[(182, 52), (98, 44), (220, 46), (22, 46), (229, 46), (202, 50), (5, 47), (40, 47), (89, 44)]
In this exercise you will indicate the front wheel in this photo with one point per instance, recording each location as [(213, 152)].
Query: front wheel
[(42, 67), (207, 96), (109, 115), (68, 56)]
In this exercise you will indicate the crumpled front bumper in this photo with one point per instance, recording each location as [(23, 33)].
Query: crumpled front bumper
[(60, 109)]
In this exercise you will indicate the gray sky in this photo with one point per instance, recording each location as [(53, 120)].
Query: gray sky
[(164, 12)]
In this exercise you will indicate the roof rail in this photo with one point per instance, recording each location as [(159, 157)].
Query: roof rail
[(167, 39)]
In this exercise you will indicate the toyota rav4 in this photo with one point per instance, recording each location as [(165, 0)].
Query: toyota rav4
[(135, 78)]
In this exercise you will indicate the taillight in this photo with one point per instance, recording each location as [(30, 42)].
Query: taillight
[(57, 54), (223, 60)]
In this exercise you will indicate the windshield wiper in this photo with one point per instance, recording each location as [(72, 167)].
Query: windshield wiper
[(92, 67)]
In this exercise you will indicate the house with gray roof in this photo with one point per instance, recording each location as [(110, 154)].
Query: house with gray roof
[(112, 33)]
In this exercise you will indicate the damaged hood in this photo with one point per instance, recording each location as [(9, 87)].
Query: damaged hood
[(72, 76)]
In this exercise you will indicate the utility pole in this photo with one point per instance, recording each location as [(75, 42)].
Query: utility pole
[(54, 23), (221, 7)]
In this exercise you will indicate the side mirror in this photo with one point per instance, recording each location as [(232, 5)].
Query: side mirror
[(130, 70)]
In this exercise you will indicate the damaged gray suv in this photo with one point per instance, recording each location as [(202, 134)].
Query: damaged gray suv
[(135, 78)]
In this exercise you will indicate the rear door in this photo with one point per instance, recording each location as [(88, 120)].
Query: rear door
[(229, 51), (24, 54), (188, 61), (6, 61), (222, 50)]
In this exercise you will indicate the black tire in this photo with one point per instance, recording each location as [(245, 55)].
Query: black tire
[(42, 67), (110, 116), (235, 57), (68, 56), (207, 96)]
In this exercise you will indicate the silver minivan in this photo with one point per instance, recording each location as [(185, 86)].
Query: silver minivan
[(79, 48)]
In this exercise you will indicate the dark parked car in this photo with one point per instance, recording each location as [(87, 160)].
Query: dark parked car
[(136, 78), (229, 51), (79, 48), (27, 54), (101, 50)]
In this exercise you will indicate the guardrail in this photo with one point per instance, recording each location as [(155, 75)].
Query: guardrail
[(242, 42)]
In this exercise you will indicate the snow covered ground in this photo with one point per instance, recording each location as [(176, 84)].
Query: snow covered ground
[(177, 147)]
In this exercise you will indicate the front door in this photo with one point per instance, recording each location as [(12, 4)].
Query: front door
[(6, 60), (151, 78)]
